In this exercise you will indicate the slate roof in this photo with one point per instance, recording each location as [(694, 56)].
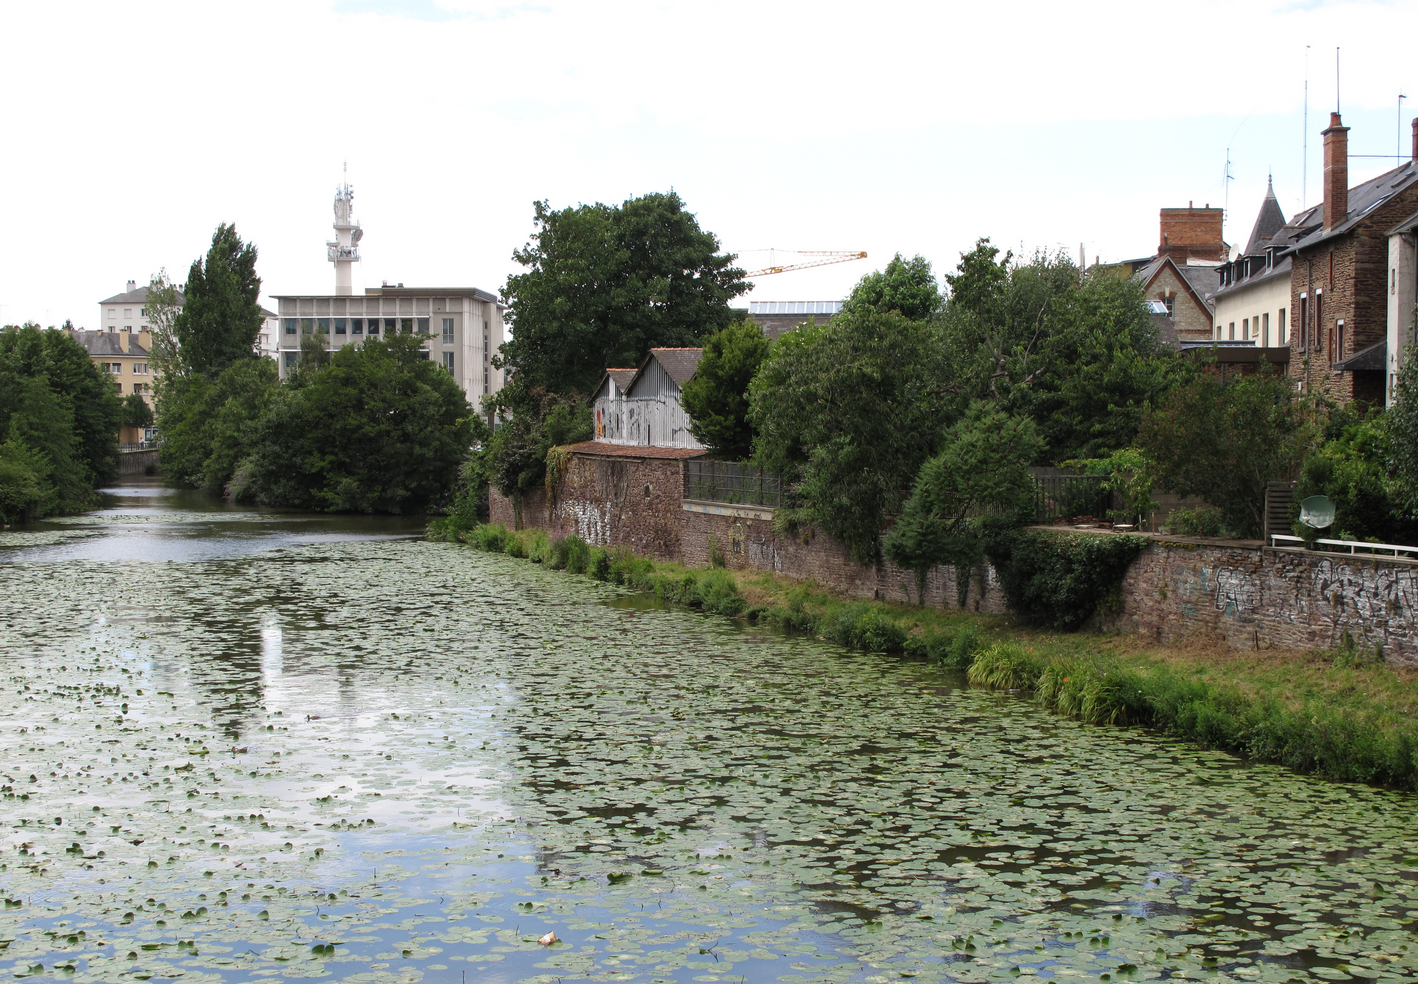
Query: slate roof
[(1270, 221), (101, 343), (1307, 228), (138, 296), (1280, 269), (1372, 357), (1407, 225), (680, 363), (621, 377), (1203, 279), (604, 449)]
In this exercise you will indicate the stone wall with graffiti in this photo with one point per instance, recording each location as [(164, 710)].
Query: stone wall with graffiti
[(1259, 598)]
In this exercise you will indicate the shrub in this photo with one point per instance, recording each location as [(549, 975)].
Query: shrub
[(489, 537), (1006, 666), (1058, 579), (600, 567), (516, 545), (718, 593), (538, 546), (1202, 521), (865, 627), (578, 554)]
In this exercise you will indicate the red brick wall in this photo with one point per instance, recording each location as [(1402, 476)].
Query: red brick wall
[(619, 501), (1192, 232)]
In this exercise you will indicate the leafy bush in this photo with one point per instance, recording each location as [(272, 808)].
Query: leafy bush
[(538, 546), (1058, 579), (1201, 521), (1094, 691), (492, 537), (516, 545), (1006, 666), (578, 554), (600, 566), (865, 627)]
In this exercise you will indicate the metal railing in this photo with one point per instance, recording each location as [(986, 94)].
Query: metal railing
[(1352, 547), (1067, 496), (731, 482), (137, 445)]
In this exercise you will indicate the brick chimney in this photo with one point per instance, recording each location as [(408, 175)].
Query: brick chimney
[(1192, 232), (1336, 172)]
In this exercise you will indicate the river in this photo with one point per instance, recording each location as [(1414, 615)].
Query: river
[(246, 746)]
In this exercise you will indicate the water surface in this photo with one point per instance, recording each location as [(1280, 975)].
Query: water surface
[(246, 746)]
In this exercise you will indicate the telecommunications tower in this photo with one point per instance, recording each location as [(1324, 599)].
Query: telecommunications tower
[(344, 251)]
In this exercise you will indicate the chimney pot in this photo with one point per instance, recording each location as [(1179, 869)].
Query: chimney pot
[(1336, 172), (1415, 138), (132, 286)]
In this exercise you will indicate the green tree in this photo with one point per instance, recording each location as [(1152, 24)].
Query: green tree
[(907, 287), (604, 284), (982, 471), (24, 492), (380, 429), (1225, 439), (1080, 355), (1402, 426), (136, 412), (1352, 470), (221, 317), (716, 397), (517, 451), (852, 408), (162, 305)]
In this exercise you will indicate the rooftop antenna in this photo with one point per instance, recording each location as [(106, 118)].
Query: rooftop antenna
[(1305, 138), (1398, 141), (1336, 78), (1227, 177)]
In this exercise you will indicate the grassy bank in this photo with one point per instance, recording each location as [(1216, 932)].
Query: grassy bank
[(1341, 714)]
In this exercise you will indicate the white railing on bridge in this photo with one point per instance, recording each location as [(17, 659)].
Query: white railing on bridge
[(1354, 547), (138, 446)]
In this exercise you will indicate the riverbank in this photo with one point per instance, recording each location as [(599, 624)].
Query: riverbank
[(1342, 714)]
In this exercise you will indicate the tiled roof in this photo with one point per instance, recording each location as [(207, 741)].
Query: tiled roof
[(138, 296), (621, 377), (1307, 228), (680, 363), (102, 343), (606, 450), (1202, 279)]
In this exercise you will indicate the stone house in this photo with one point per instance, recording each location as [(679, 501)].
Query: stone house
[(1183, 274), (1345, 257)]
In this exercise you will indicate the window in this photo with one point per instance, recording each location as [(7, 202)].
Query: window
[(356, 326), (291, 358), (291, 326), (447, 331), (1336, 351), (339, 326), (1280, 328), (1245, 328), (422, 325), (324, 326), (1304, 322), (1317, 335), (1232, 329), (1169, 300), (127, 314), (374, 326), (118, 386), (116, 367), (1393, 281), (423, 354), (142, 312), (406, 325), (140, 368), (448, 362), (1265, 329), (112, 313), (307, 326)]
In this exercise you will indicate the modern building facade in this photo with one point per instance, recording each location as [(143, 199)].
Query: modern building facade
[(777, 317)]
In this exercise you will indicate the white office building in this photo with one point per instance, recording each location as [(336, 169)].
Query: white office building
[(462, 327)]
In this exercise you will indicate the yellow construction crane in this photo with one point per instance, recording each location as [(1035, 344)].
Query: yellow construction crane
[(820, 257)]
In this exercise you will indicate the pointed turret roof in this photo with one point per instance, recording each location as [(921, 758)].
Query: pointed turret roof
[(1270, 221)]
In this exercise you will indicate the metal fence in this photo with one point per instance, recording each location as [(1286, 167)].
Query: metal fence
[(729, 481), (137, 445), (1069, 496)]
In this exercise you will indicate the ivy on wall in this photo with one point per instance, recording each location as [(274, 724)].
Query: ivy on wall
[(1059, 579)]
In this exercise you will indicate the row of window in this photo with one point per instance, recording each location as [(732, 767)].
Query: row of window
[(355, 326), (1256, 329), (137, 387), (139, 368)]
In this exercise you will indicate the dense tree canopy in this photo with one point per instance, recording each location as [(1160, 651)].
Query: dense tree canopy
[(1224, 439), (907, 287), (851, 409), (59, 418), (1078, 354), (716, 397), (604, 284), (221, 316)]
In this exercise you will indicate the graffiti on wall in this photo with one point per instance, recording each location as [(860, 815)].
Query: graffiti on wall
[(1367, 595), (1237, 591)]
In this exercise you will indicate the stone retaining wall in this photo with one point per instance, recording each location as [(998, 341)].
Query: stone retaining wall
[(1249, 595)]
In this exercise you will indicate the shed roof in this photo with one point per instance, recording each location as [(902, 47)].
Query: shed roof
[(679, 363)]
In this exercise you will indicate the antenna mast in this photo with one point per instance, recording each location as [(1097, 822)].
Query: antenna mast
[(1305, 139)]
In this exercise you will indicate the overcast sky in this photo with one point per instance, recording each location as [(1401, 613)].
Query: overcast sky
[(131, 130)]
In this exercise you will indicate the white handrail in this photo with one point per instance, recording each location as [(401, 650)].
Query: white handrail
[(1354, 546)]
